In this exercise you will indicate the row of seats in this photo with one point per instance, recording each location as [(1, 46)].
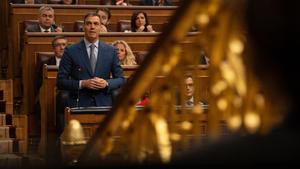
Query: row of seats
[(122, 25), (42, 57), (86, 2)]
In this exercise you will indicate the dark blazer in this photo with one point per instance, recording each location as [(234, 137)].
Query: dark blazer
[(36, 28), (150, 3), (75, 66), (39, 73)]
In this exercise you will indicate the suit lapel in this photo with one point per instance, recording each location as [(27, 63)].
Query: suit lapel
[(98, 64), (38, 27), (52, 29), (85, 58), (52, 61)]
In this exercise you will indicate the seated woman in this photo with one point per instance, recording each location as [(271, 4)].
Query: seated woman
[(125, 53), (140, 22)]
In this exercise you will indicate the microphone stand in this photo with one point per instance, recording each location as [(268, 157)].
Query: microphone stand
[(77, 100)]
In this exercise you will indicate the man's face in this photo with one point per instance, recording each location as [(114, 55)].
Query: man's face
[(103, 17), (92, 28), (46, 19), (59, 47), (189, 87)]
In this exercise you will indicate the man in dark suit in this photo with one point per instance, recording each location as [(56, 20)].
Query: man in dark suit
[(58, 43), (89, 71), (86, 68), (46, 21)]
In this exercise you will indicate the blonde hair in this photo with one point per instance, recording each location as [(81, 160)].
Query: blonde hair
[(45, 8), (129, 58)]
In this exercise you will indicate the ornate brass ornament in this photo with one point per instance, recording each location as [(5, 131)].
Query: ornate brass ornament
[(234, 95)]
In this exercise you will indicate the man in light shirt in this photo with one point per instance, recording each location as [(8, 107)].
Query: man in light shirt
[(58, 44), (190, 91)]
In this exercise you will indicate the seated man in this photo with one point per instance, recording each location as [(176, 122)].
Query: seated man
[(105, 16), (46, 21), (190, 90), (58, 43)]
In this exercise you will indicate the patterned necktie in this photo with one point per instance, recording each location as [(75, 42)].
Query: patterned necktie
[(92, 56)]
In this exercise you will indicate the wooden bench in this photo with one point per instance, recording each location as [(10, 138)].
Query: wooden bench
[(67, 15), (132, 2)]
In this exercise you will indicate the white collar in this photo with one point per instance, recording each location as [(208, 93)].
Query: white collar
[(87, 43), (43, 30)]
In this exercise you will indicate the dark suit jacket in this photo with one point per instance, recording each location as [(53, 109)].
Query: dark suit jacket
[(75, 66), (36, 28)]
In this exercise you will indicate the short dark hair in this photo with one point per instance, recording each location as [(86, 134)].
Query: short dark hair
[(90, 14), (106, 10), (56, 38)]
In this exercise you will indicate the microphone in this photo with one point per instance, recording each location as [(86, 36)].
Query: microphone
[(78, 68)]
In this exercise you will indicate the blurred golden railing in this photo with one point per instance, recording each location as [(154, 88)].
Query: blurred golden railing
[(234, 93)]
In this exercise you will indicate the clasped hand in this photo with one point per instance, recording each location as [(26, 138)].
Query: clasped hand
[(95, 83), (149, 28)]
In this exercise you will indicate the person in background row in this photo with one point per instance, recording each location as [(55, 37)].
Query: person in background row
[(156, 2), (190, 91), (204, 60), (140, 22), (58, 45), (125, 54), (105, 16), (46, 21)]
